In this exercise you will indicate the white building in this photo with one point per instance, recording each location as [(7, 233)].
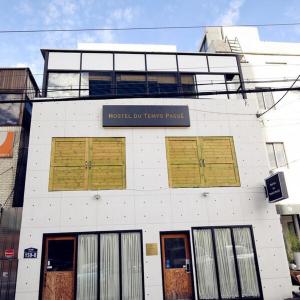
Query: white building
[(270, 65), (137, 211)]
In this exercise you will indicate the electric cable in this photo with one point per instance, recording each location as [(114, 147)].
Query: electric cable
[(145, 28), (281, 98)]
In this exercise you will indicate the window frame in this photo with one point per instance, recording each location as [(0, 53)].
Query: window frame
[(201, 161), (262, 95), (230, 227), (88, 163), (98, 233), (275, 156)]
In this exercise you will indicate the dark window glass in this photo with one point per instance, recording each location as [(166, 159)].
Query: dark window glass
[(131, 84), (188, 83), (60, 255), (100, 84), (162, 83), (175, 253)]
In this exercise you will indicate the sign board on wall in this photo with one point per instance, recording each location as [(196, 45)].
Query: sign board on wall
[(145, 116), (151, 249), (276, 187), (30, 253), (6, 143), (9, 253)]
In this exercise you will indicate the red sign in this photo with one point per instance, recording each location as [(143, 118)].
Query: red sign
[(9, 253)]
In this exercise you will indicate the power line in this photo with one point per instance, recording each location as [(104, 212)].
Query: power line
[(289, 89), (154, 95), (125, 84), (145, 28)]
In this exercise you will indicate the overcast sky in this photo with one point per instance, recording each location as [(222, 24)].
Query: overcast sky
[(24, 49)]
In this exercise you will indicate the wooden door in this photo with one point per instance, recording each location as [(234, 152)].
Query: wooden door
[(176, 265), (58, 269)]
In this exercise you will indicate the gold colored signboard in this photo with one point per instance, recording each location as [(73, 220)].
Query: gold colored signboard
[(151, 249)]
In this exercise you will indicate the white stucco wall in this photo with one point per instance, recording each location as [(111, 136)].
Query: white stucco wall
[(148, 203)]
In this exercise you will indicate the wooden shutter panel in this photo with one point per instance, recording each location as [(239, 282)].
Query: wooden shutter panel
[(107, 159), (183, 162), (68, 170), (220, 166)]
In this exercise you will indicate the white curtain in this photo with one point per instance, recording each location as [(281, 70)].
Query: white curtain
[(246, 262), (87, 262), (226, 264), (109, 267), (205, 264), (131, 266)]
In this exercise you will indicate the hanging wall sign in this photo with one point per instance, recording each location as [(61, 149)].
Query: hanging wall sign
[(276, 187), (30, 253), (6, 143), (146, 116)]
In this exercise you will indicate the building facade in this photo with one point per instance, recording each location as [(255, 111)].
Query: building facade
[(145, 180), (268, 65), (16, 85)]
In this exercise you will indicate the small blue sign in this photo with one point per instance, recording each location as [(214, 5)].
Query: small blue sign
[(30, 253)]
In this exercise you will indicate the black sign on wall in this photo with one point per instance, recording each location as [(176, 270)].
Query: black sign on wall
[(30, 253), (146, 116), (276, 187)]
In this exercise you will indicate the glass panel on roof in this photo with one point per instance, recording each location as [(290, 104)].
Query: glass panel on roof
[(97, 61), (192, 63), (131, 84), (161, 62), (129, 62), (162, 83), (63, 85)]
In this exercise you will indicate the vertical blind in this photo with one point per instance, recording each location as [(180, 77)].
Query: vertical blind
[(118, 266), (225, 263)]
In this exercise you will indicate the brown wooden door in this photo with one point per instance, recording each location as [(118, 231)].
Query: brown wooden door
[(58, 269), (176, 260)]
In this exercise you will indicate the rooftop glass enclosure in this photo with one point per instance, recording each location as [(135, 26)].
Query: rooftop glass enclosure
[(90, 73)]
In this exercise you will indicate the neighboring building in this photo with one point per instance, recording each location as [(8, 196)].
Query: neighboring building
[(142, 201), (270, 65), (16, 84)]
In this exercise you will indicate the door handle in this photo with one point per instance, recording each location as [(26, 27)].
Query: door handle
[(187, 266)]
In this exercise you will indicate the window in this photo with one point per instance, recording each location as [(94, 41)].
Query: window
[(162, 83), (276, 154), (87, 164), (96, 84), (63, 84), (201, 162), (10, 112), (188, 83), (118, 252), (131, 84), (226, 263), (265, 99)]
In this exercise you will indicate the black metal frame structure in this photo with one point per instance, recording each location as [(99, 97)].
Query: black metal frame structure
[(231, 227), (75, 235), (146, 72)]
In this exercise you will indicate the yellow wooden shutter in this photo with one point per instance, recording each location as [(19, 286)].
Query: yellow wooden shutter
[(220, 166), (183, 162), (68, 170), (107, 168)]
